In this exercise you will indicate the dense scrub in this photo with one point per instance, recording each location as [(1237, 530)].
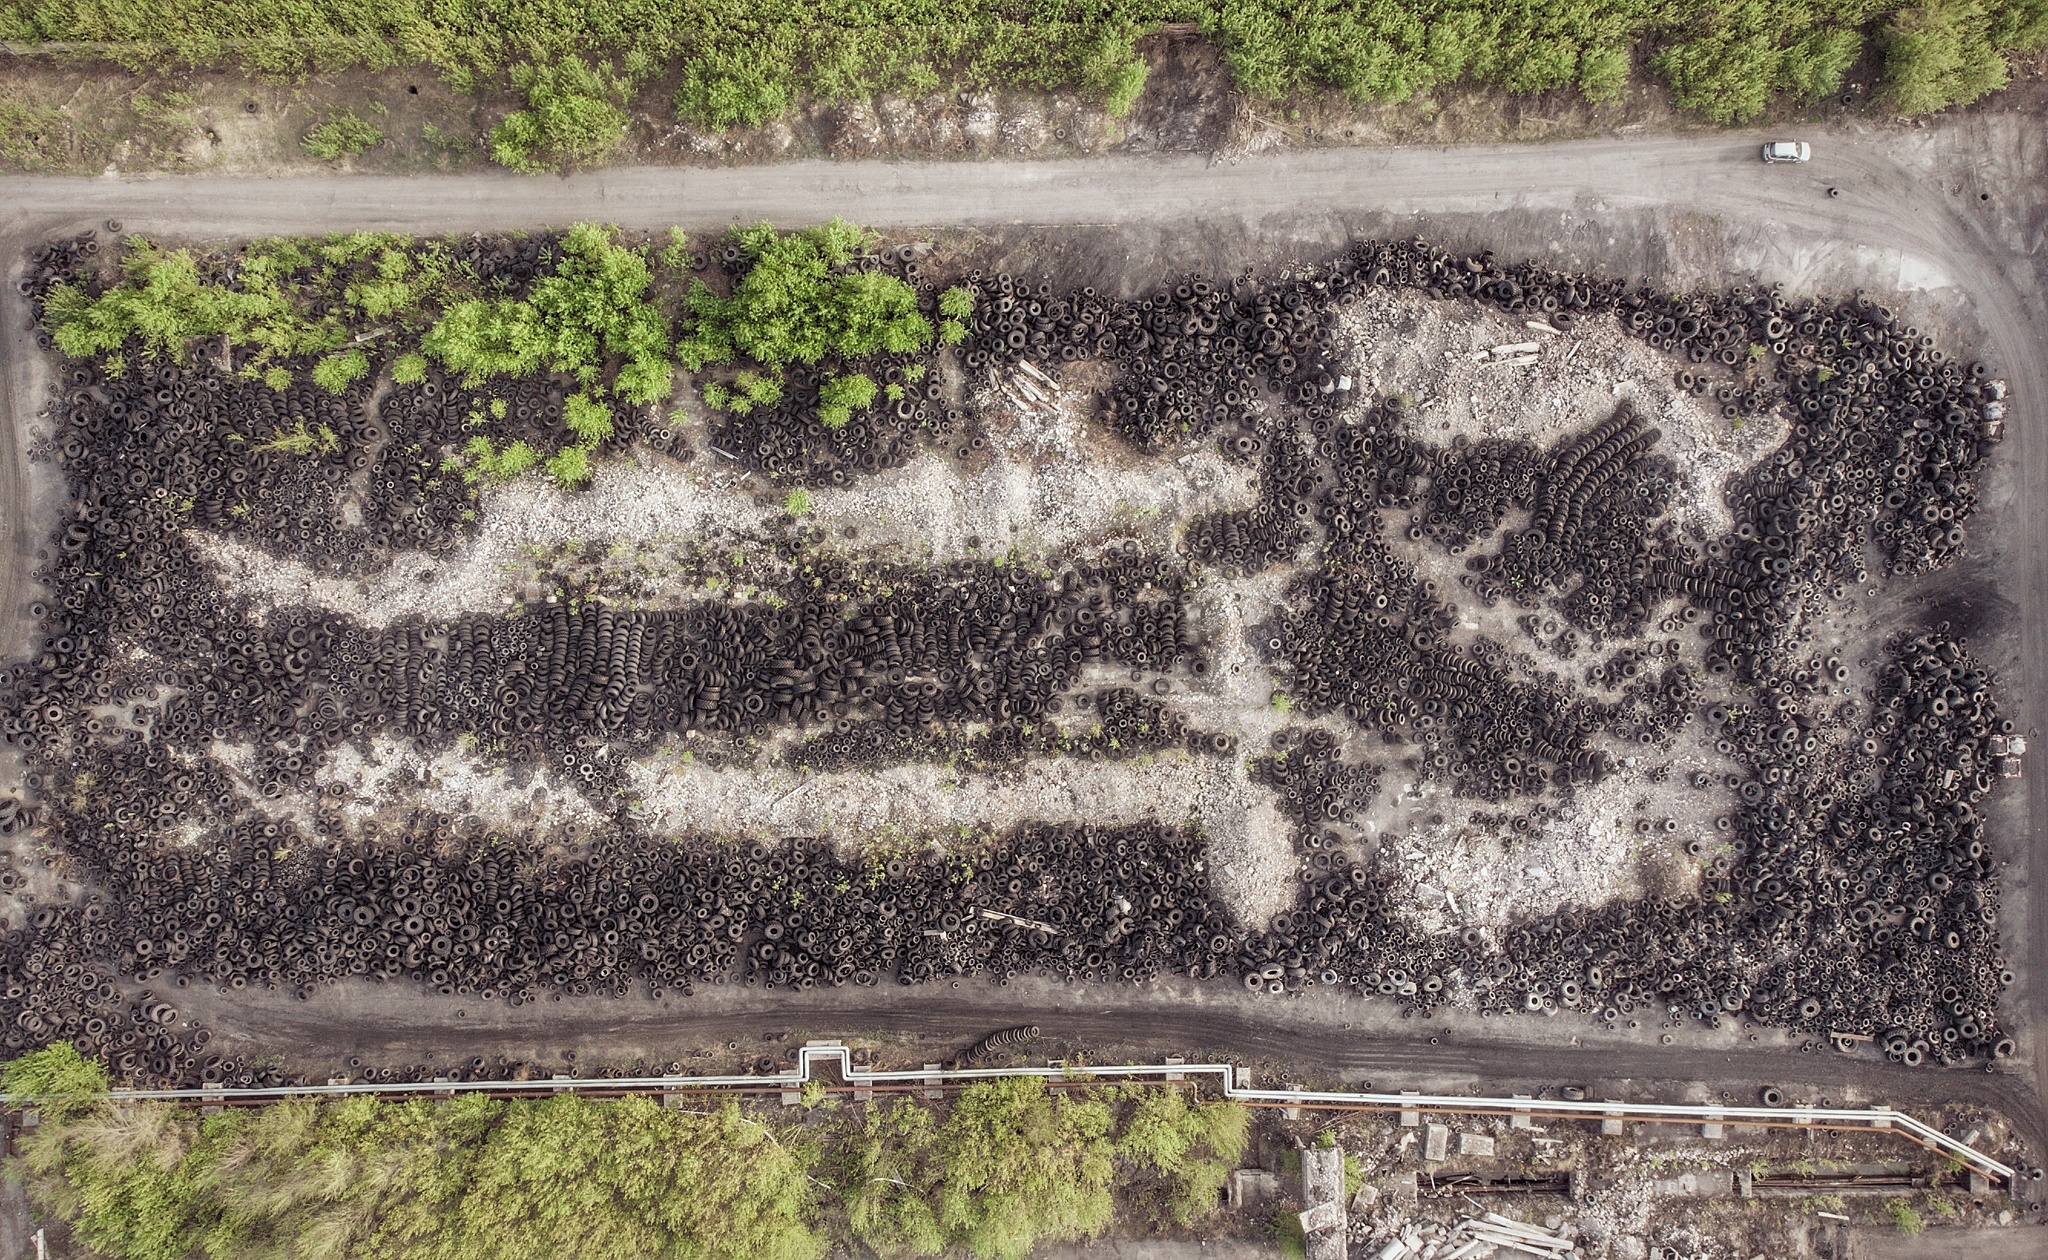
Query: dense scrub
[(1004, 1166), (578, 65)]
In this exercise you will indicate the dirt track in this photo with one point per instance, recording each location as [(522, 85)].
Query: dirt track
[(1953, 213)]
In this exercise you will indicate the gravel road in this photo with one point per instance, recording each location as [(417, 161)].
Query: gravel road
[(1954, 210)]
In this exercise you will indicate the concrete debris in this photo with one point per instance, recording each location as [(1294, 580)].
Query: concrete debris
[(1438, 1143), (1476, 1238), (1250, 1187)]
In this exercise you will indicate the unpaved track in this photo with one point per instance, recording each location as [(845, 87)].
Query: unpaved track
[(1909, 214)]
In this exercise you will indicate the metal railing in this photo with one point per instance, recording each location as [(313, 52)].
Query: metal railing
[(1229, 1083)]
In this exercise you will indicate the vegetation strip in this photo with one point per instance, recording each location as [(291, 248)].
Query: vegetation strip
[(996, 1170), (580, 66), (1227, 1085)]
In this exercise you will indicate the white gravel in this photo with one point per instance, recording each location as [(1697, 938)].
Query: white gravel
[(394, 779), (1406, 343), (1047, 480)]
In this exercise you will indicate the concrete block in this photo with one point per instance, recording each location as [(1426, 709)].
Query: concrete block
[(1611, 1126), (1401, 1187), (1322, 1175), (1411, 1119), (1705, 1183), (1436, 1141), (1322, 1218), (1250, 1187), (1521, 1121), (1474, 1144), (933, 1093)]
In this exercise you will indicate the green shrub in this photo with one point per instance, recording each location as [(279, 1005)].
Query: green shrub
[(572, 116), (588, 419), (494, 467), (30, 135), (58, 1078), (594, 305), (337, 372), (576, 62), (302, 441), (410, 368), (731, 86), (1903, 1217), (841, 396), (957, 302), (1938, 55), (796, 302), (342, 135), (570, 467), (797, 502)]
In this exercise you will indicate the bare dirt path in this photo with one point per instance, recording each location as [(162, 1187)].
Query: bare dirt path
[(1955, 209)]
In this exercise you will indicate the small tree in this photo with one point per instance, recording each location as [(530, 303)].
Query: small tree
[(1940, 54)]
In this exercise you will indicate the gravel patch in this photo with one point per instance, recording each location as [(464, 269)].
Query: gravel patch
[(1440, 355)]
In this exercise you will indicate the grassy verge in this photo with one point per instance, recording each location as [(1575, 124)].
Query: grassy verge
[(579, 68)]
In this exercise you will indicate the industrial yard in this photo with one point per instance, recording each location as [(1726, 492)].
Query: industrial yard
[(1387, 655)]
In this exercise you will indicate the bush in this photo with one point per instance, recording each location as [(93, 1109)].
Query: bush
[(1009, 1168), (728, 86), (570, 467), (841, 396), (342, 135), (571, 117), (337, 372), (409, 369), (1938, 55), (796, 302), (588, 419), (592, 306)]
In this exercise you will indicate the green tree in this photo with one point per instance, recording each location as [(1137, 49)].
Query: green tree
[(1940, 54), (1190, 1146)]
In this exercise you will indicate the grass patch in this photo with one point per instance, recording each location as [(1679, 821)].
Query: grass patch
[(344, 134)]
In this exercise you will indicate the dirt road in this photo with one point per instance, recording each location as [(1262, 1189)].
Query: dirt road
[(1953, 214)]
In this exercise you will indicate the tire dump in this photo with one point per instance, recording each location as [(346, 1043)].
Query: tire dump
[(1373, 698)]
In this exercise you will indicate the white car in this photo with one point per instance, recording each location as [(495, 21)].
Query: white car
[(1787, 151)]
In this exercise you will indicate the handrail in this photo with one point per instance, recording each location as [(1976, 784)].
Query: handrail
[(1868, 1119)]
